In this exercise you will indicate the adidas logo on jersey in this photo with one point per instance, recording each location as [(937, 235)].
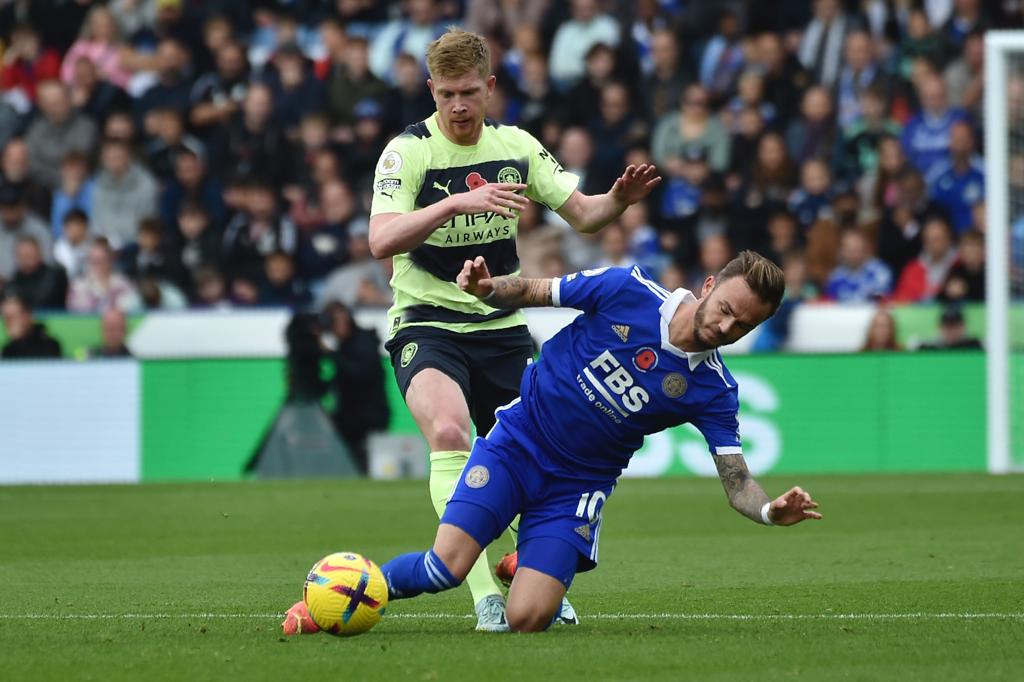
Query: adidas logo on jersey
[(583, 531), (621, 330)]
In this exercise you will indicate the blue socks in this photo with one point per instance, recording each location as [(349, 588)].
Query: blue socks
[(417, 572)]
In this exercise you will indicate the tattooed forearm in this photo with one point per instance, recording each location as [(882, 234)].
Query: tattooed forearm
[(516, 292), (745, 495)]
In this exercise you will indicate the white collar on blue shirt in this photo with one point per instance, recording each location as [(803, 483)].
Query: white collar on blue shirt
[(668, 310)]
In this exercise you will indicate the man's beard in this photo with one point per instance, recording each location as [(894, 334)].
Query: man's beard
[(698, 322)]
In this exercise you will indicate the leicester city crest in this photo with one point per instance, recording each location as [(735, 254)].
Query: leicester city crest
[(478, 476), (673, 385)]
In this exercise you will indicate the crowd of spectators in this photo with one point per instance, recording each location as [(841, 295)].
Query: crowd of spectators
[(158, 154)]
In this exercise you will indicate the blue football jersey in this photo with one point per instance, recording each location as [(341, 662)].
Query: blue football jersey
[(611, 377)]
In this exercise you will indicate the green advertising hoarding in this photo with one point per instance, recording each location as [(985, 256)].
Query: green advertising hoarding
[(889, 412), (844, 413)]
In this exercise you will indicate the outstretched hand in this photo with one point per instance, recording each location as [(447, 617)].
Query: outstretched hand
[(792, 507), (475, 278), (635, 183)]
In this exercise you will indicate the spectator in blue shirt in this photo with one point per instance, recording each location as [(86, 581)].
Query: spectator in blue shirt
[(74, 191), (681, 198), (860, 72), (860, 277), (958, 184), (813, 198), (1017, 254), (722, 58), (926, 137)]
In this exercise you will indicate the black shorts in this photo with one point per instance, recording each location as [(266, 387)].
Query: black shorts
[(487, 365)]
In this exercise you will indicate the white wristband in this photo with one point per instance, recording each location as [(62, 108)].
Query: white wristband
[(764, 514)]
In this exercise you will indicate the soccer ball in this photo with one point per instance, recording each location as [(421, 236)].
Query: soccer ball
[(346, 594)]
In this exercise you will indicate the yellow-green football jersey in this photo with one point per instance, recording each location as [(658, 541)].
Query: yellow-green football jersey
[(421, 167)]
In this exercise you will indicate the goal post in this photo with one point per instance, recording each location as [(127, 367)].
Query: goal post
[(1004, 204)]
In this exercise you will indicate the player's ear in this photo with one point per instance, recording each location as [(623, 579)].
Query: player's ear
[(491, 81), (709, 284), (430, 84)]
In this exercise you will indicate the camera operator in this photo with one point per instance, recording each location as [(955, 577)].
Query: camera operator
[(305, 349), (361, 402)]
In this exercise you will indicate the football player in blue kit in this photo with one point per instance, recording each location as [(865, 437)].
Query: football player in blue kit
[(639, 359)]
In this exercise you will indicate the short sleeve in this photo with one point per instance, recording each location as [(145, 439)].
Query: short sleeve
[(588, 290), (548, 182), (397, 177), (719, 425)]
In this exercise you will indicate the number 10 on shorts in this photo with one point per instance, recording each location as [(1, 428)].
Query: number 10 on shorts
[(590, 505)]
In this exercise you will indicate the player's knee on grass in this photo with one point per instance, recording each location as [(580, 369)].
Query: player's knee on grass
[(547, 566), (533, 613)]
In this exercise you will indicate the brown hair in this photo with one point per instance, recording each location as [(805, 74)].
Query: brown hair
[(890, 342), (458, 52), (764, 277)]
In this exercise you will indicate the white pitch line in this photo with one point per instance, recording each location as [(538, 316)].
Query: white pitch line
[(595, 616)]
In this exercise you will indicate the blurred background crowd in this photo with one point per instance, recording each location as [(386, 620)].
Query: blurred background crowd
[(163, 154)]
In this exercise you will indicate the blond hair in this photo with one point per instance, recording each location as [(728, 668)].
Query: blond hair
[(458, 52), (764, 277)]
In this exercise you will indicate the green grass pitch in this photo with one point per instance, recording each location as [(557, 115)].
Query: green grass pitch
[(907, 578)]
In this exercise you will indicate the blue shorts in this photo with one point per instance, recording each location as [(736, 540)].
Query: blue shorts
[(503, 478)]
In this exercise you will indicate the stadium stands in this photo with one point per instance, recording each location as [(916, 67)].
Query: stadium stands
[(264, 121)]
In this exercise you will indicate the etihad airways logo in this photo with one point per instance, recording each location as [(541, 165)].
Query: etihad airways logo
[(616, 393), (482, 236), (482, 222)]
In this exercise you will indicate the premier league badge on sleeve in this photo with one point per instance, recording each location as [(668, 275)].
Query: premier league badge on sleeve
[(390, 163)]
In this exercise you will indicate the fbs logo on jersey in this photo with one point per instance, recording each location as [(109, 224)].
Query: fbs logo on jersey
[(621, 331), (645, 359), (620, 382), (474, 181), (409, 352)]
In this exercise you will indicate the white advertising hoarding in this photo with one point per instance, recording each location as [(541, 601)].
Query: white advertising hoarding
[(70, 422)]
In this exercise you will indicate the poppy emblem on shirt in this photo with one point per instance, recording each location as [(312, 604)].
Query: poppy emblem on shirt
[(645, 359), (474, 181)]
